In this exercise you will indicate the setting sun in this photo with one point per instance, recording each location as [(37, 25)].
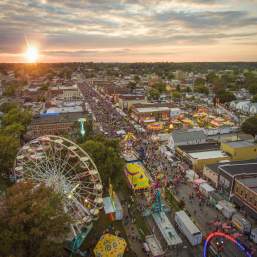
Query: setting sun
[(32, 54)]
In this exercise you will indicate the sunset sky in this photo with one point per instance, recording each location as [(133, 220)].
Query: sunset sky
[(129, 30)]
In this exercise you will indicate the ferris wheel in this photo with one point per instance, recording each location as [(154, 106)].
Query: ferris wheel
[(62, 165)]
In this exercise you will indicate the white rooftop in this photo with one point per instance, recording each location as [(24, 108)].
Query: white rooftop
[(154, 245), (168, 231), (208, 154), (64, 109), (153, 109)]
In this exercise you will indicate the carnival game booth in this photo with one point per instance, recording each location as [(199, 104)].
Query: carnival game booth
[(137, 178)]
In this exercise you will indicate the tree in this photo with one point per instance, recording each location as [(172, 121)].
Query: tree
[(10, 90), (9, 146), (132, 85), (249, 126), (176, 95), (105, 154), (225, 96), (32, 222), (14, 130), (254, 99), (199, 82), (202, 89), (16, 115), (6, 107), (154, 94)]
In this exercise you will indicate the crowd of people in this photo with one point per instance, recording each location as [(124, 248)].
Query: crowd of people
[(105, 114)]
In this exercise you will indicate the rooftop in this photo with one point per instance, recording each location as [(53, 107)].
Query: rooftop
[(153, 109), (239, 144), (168, 232), (239, 168), (208, 154), (57, 118), (185, 136), (190, 225), (250, 182), (199, 147), (65, 109)]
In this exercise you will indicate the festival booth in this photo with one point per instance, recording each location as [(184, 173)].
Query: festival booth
[(110, 246), (136, 177), (191, 175), (156, 126), (112, 205)]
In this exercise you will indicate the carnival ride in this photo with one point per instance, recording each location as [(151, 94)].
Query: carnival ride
[(218, 234), (67, 169), (82, 126), (127, 142)]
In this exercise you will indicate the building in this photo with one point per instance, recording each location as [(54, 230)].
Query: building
[(53, 124), (240, 150), (200, 155), (66, 93), (253, 109), (149, 113), (127, 100), (180, 75), (245, 193), (175, 112), (188, 137)]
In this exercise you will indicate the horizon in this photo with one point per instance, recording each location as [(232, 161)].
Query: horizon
[(129, 31)]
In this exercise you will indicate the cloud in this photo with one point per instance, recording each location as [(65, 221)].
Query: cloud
[(68, 27)]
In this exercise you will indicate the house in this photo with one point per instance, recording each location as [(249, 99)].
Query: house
[(245, 193), (253, 109), (240, 150), (236, 180), (188, 137), (127, 100), (200, 155), (149, 113), (242, 106), (54, 123)]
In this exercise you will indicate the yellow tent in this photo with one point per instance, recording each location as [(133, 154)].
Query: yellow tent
[(110, 246), (136, 176)]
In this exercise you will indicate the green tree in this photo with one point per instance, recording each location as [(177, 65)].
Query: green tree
[(9, 146), (249, 126), (176, 95), (10, 90), (154, 94), (16, 115), (6, 107), (14, 130), (32, 222), (202, 89), (132, 85), (254, 99), (199, 82), (106, 155), (225, 96)]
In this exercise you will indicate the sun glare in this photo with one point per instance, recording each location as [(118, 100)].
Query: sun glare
[(31, 54)]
